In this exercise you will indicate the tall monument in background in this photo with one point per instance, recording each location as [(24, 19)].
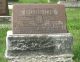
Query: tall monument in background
[(3, 7)]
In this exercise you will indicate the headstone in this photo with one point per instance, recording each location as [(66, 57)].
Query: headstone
[(39, 19), (71, 0), (3, 7), (39, 34), (70, 3)]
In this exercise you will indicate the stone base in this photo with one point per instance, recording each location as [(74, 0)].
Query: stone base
[(39, 47), (69, 4), (43, 58)]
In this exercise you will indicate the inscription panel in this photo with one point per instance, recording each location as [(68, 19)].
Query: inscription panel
[(39, 19), (3, 7)]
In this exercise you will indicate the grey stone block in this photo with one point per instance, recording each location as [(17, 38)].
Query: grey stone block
[(39, 47), (44, 44)]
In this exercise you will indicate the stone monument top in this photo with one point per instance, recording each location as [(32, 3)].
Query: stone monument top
[(39, 19)]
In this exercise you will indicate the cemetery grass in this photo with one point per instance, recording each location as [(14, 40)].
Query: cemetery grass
[(32, 1), (4, 26), (73, 25)]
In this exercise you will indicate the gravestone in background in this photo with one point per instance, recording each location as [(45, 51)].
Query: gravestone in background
[(70, 3), (3, 7), (39, 34), (71, 0)]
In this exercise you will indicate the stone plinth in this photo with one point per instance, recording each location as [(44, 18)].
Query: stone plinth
[(39, 47)]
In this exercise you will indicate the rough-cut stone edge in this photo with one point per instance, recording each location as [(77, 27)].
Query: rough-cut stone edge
[(69, 4), (5, 16), (9, 33), (60, 58)]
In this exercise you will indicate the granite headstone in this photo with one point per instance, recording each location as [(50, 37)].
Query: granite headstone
[(39, 19)]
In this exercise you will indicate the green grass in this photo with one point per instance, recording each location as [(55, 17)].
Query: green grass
[(2, 44), (54, 1), (73, 25), (32, 1), (35, 1), (3, 29), (10, 12)]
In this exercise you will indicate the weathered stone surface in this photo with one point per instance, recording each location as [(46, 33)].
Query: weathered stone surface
[(39, 19), (43, 58), (53, 44), (3, 7)]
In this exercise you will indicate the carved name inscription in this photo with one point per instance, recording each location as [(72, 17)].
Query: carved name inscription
[(3, 7), (39, 19)]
